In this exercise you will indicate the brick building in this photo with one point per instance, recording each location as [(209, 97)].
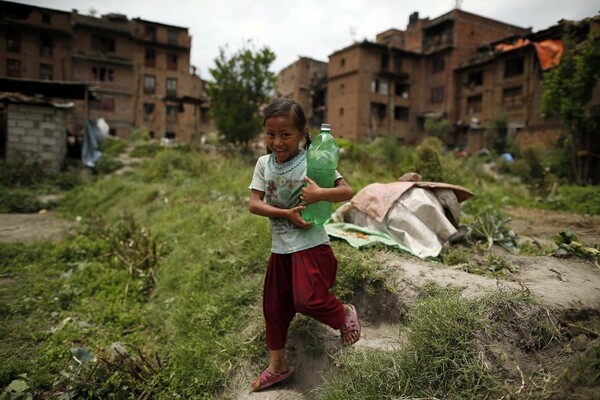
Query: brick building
[(140, 70), (392, 85), (305, 81), (505, 80), (370, 91)]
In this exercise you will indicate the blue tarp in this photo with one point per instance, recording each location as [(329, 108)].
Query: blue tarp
[(90, 152)]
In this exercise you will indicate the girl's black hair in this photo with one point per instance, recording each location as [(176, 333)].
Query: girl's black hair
[(292, 108)]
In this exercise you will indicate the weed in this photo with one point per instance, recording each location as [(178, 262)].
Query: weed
[(130, 247), (358, 271), (120, 371), (532, 248), (455, 255), (568, 244), (500, 264), (492, 227)]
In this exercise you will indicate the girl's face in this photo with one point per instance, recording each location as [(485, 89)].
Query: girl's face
[(282, 137)]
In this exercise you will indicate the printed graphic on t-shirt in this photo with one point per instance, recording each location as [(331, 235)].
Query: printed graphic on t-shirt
[(283, 193)]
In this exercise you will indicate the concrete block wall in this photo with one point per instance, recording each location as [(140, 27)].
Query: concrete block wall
[(38, 133)]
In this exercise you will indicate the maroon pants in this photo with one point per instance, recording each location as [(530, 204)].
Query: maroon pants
[(300, 282)]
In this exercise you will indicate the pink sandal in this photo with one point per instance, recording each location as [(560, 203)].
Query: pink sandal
[(268, 378), (352, 325)]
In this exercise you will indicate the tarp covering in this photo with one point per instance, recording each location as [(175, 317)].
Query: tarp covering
[(549, 51), (419, 217), (94, 134)]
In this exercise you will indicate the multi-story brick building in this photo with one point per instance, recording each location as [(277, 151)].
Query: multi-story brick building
[(140, 70), (102, 52), (370, 88), (305, 81), (36, 42), (505, 81), (168, 96), (391, 86)]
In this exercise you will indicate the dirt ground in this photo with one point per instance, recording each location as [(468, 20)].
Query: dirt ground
[(566, 290)]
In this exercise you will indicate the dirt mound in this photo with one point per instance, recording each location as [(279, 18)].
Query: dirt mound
[(558, 331)]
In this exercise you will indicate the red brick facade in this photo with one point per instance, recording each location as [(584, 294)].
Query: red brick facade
[(139, 70)]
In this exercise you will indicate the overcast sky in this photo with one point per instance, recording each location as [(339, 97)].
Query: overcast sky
[(311, 28)]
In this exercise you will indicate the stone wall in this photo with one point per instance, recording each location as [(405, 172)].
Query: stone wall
[(38, 133)]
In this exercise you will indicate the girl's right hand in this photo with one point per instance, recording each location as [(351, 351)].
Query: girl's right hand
[(295, 218)]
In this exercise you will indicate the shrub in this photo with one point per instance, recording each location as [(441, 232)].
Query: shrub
[(18, 201), (19, 172), (428, 161)]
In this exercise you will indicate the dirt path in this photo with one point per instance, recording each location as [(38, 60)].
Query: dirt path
[(28, 228)]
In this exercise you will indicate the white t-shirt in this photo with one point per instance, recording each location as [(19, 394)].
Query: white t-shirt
[(282, 185)]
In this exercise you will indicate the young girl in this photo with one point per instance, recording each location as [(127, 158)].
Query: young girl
[(302, 266)]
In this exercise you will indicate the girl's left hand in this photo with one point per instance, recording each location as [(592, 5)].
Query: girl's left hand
[(311, 193)]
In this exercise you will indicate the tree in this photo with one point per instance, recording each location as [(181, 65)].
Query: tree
[(567, 93), (242, 83)]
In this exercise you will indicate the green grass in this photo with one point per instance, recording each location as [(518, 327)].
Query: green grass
[(437, 360), (177, 280)]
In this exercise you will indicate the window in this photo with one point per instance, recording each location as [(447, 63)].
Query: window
[(103, 74), (438, 64), (342, 62), (401, 113), (475, 79), (474, 104), (379, 86), (13, 41), (172, 36), (46, 71), (342, 89), (172, 112), (512, 97), (513, 67), (150, 32), (437, 94), (397, 63), (378, 114), (385, 61), (46, 18), (104, 44), (171, 87), (148, 111), (402, 89), (45, 46), (172, 62), (150, 58), (149, 84), (104, 104), (13, 68), (341, 111)]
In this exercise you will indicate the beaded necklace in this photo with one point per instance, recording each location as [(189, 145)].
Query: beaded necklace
[(282, 169)]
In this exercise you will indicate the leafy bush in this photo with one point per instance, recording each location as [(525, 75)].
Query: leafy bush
[(18, 201), (428, 161), (146, 150), (112, 147), (437, 127), (20, 172), (139, 134)]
